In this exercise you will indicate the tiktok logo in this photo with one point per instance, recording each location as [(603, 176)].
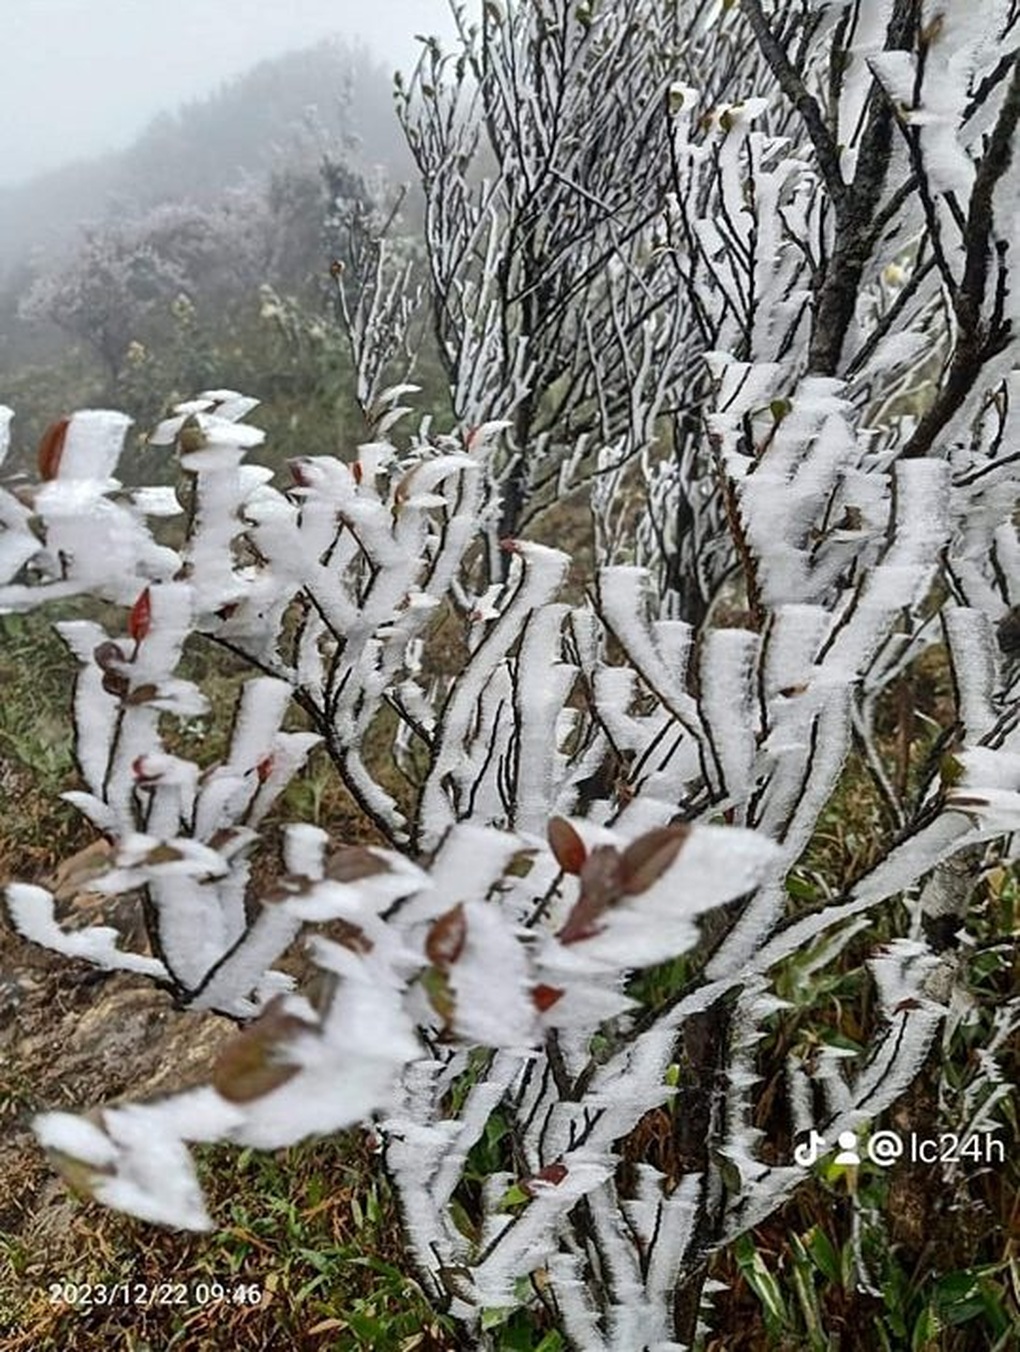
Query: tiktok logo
[(808, 1152)]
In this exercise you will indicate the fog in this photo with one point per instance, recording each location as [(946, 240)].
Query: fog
[(80, 77)]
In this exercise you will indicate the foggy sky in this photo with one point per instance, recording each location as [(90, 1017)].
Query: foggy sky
[(80, 77)]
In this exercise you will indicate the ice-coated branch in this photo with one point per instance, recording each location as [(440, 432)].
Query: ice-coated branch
[(737, 272)]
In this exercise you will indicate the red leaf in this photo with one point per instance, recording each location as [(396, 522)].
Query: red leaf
[(142, 694), (601, 888), (250, 1065), (602, 877), (51, 448), (350, 936), (544, 997), (646, 859), (264, 768), (444, 942), (140, 619), (115, 683), (566, 845), (357, 471), (140, 773), (909, 1002), (552, 1173), (351, 863), (108, 656), (581, 922)]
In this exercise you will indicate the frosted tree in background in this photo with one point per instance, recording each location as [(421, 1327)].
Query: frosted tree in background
[(103, 293), (743, 272)]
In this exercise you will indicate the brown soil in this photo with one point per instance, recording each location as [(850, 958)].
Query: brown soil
[(70, 1038)]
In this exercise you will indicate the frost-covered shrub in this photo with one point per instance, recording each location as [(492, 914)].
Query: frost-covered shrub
[(594, 786)]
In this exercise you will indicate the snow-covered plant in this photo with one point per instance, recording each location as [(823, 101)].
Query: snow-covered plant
[(577, 790)]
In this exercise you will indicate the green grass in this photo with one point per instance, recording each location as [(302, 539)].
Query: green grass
[(306, 1255)]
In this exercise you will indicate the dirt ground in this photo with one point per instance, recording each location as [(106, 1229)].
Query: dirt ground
[(71, 1037)]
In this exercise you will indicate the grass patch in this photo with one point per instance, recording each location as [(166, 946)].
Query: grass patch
[(307, 1255)]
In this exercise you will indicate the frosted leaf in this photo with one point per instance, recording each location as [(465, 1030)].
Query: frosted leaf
[(77, 1138), (490, 983), (134, 1157), (986, 768), (31, 911), (901, 969), (896, 350), (208, 428), (354, 900), (239, 971), (304, 850), (155, 1178), (228, 404), (156, 501), (263, 704), (714, 866), (143, 859), (92, 445), (99, 813), (17, 544), (471, 859), (394, 392), (346, 1072), (217, 456), (524, 1245), (743, 386)]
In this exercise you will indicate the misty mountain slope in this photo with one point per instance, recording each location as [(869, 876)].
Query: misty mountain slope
[(249, 126)]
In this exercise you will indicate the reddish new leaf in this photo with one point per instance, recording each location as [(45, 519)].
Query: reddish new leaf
[(646, 859), (601, 887), (140, 619), (142, 694), (140, 773), (351, 863), (566, 845), (552, 1173), (115, 683), (250, 1065), (349, 935), (109, 655), (51, 448), (444, 942), (544, 997), (607, 876)]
